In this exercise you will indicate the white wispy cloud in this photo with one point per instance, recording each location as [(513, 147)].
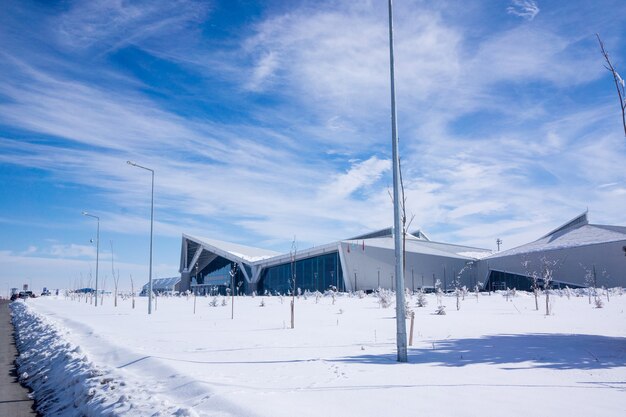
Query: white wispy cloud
[(73, 251), (111, 24), (55, 272), (315, 161), (361, 174), (527, 9), (29, 251)]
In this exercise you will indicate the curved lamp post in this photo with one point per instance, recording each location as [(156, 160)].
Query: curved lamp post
[(97, 249), (151, 229)]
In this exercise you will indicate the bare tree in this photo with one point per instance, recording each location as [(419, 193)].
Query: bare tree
[(132, 290), (590, 280), (459, 291), (233, 274), (104, 286), (292, 253), (534, 280), (405, 224), (116, 279), (619, 82), (547, 274)]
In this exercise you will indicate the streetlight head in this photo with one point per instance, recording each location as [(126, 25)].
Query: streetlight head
[(130, 163), (85, 213)]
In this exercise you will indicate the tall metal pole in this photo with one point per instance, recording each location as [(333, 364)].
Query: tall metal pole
[(398, 230), (151, 230), (97, 249)]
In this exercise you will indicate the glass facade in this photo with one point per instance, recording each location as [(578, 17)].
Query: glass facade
[(499, 280), (215, 278), (317, 273)]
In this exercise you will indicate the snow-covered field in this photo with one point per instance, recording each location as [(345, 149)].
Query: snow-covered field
[(494, 357)]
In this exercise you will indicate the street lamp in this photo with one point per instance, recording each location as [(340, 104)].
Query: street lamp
[(398, 230), (151, 229), (97, 249)]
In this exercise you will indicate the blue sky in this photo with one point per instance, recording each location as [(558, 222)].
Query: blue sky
[(268, 120)]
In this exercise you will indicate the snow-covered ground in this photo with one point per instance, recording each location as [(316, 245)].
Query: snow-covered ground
[(494, 357)]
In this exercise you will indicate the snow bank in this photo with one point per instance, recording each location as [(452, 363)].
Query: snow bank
[(66, 383)]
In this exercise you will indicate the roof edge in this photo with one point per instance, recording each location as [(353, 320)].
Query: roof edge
[(575, 223)]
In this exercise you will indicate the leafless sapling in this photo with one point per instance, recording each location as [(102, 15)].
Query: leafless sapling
[(534, 281), (132, 290), (292, 253), (605, 277), (406, 224), (459, 291), (477, 289), (547, 275), (590, 280), (619, 81), (104, 286), (438, 291), (116, 279), (233, 274)]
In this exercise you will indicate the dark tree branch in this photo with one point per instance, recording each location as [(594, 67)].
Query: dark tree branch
[(619, 82)]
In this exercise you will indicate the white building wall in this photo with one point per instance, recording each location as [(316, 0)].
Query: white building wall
[(572, 263), (366, 269)]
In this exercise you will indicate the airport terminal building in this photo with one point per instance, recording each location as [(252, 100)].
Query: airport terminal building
[(579, 250), (361, 263)]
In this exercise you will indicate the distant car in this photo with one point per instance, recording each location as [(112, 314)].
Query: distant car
[(14, 296), (26, 294), (46, 292)]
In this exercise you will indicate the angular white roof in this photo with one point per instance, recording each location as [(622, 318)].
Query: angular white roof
[(415, 245), (246, 253), (163, 283), (577, 232)]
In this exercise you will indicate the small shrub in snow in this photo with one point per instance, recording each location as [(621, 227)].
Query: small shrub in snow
[(331, 293), (214, 302), (477, 289), (441, 310), (385, 298), (598, 302), (421, 299), (224, 302), (262, 303), (438, 291), (408, 311), (361, 294)]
